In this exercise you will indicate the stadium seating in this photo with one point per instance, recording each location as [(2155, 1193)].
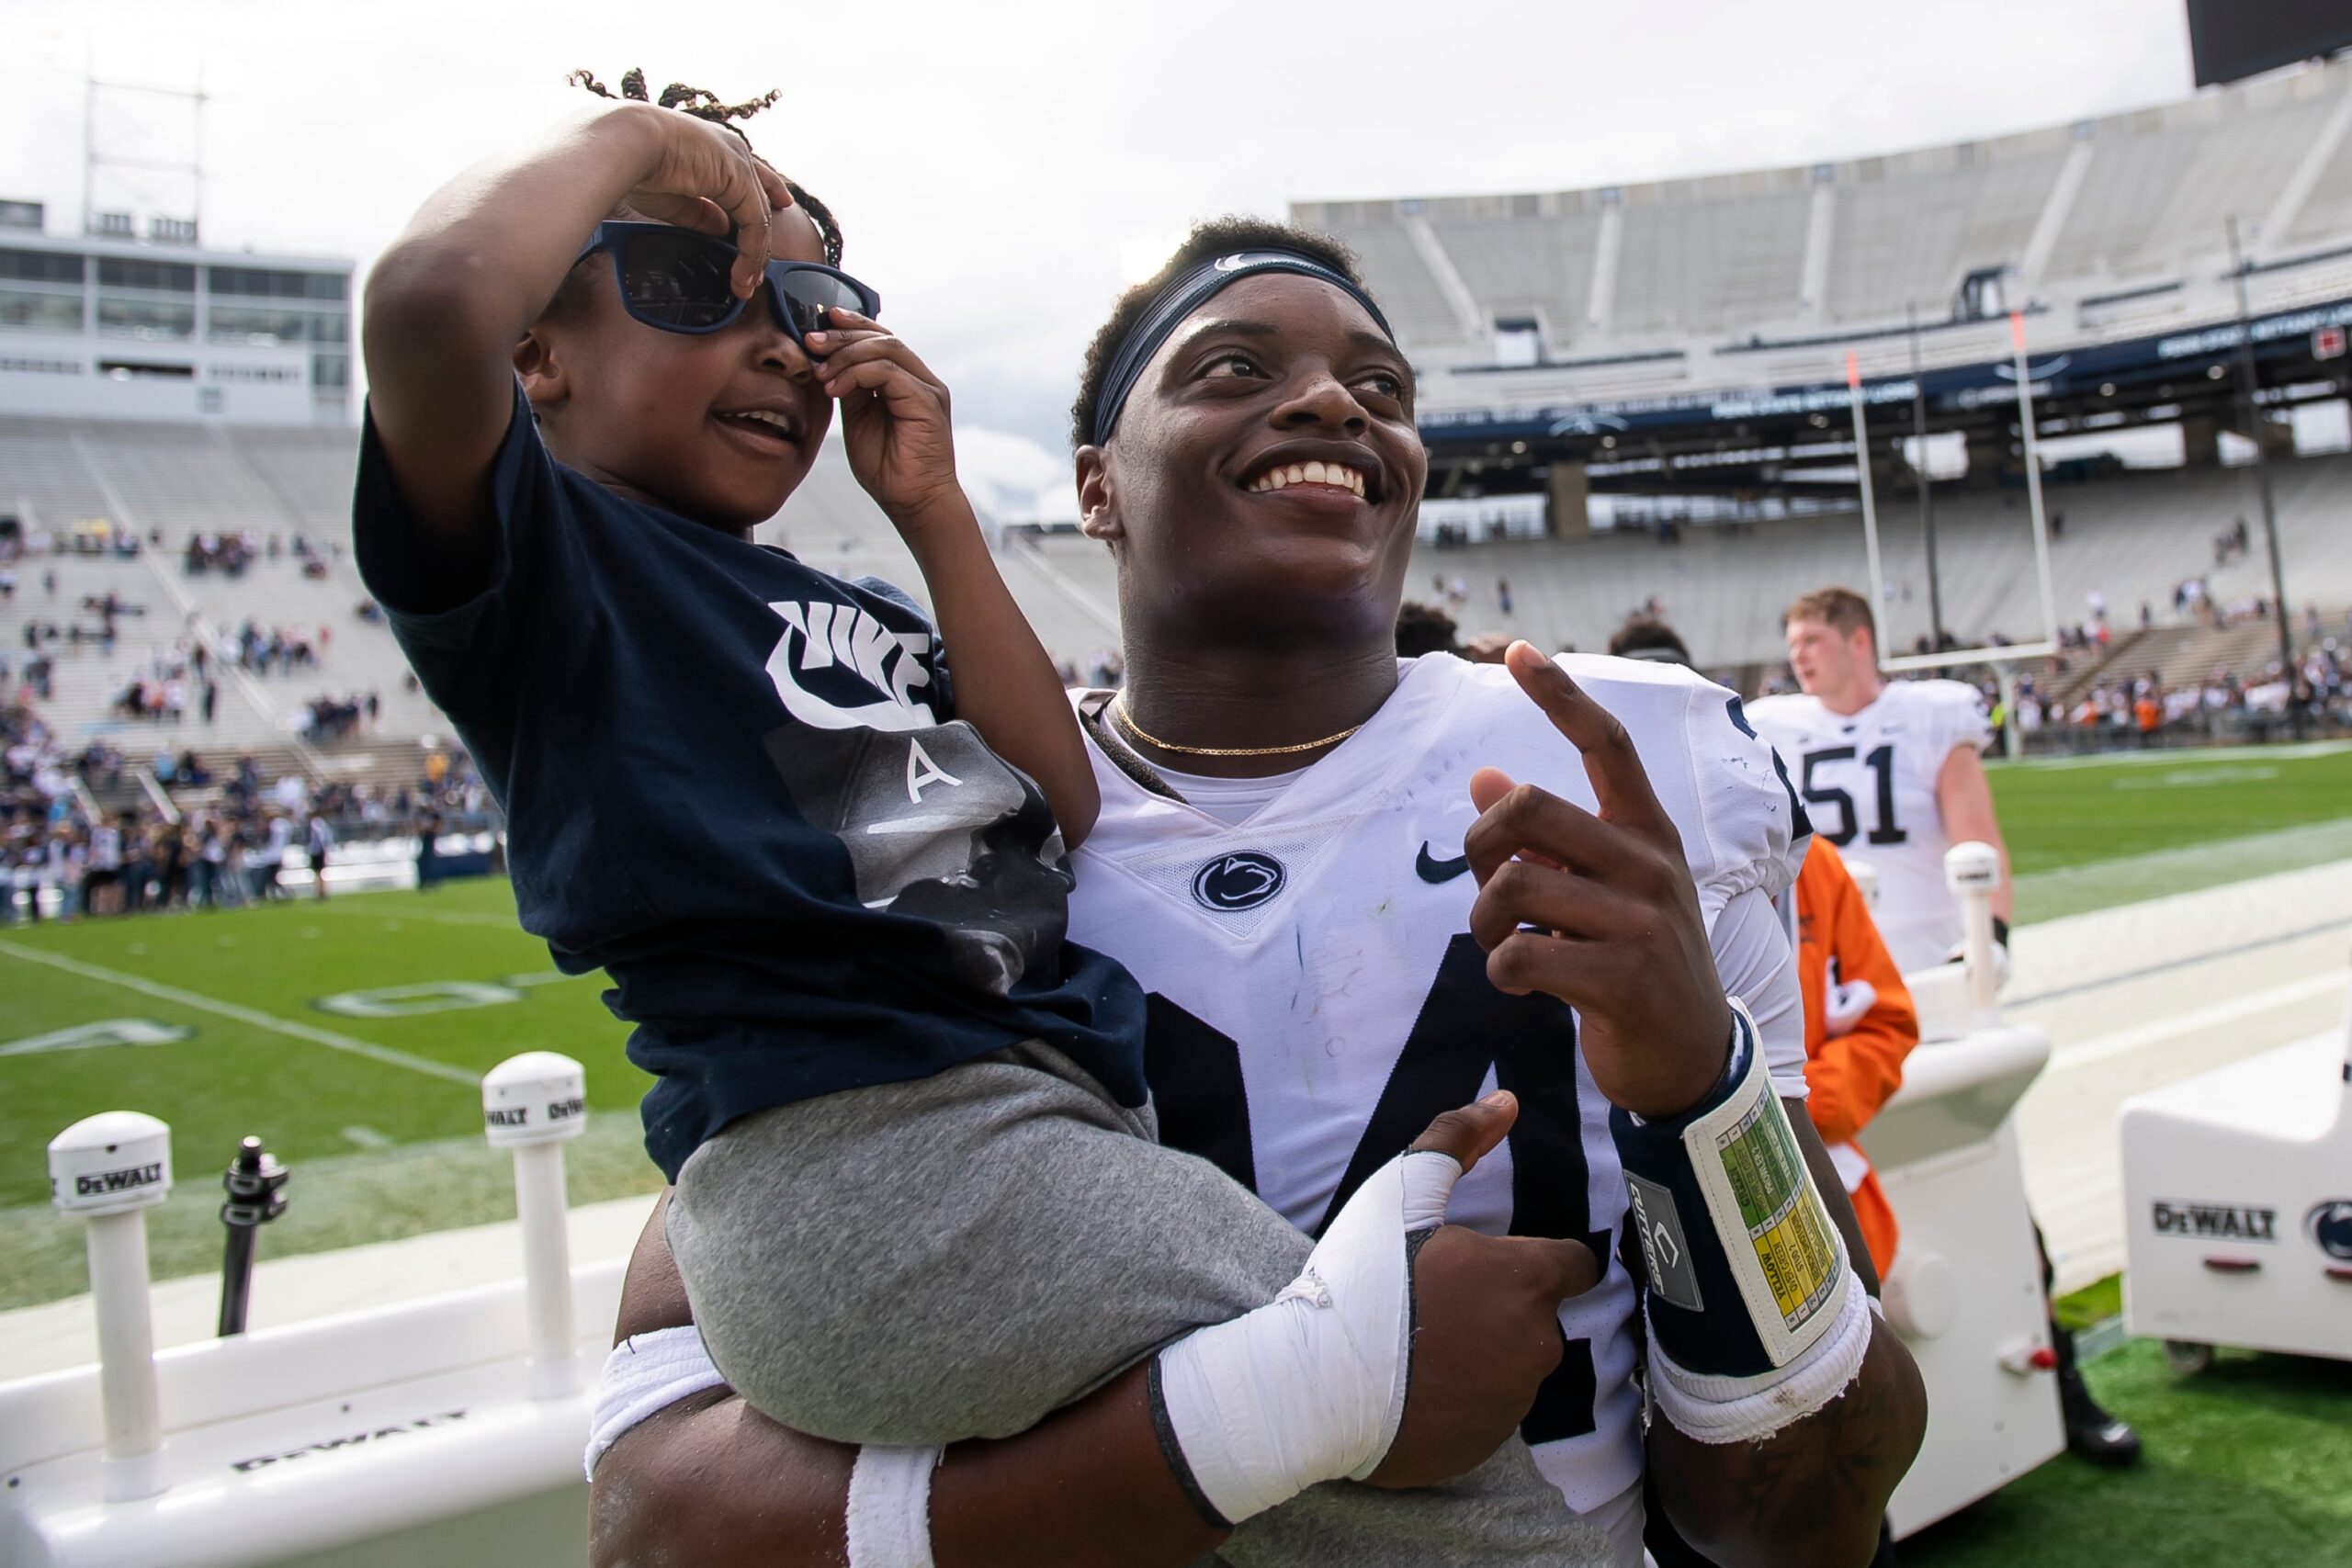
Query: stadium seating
[(1712, 265), (1521, 266), (1905, 239), (1415, 304), (2129, 540), (1715, 266), (42, 477), (2161, 193)]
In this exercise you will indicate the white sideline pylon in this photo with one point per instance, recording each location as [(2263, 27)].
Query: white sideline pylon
[(107, 1170), (532, 1104)]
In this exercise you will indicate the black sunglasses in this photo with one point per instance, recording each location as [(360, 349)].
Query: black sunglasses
[(676, 280)]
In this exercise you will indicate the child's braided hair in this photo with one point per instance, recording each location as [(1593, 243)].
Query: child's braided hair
[(703, 104)]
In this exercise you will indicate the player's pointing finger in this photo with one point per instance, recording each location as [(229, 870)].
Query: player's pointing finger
[(1619, 781)]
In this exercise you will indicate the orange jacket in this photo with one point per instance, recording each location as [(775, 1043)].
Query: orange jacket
[(1850, 1074)]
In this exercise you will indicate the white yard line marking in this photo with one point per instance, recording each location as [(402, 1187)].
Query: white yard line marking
[(2124, 1041), (367, 1138), (2175, 756), (285, 1026)]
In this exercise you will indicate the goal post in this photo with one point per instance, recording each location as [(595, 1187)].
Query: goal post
[(1990, 652), (2003, 656)]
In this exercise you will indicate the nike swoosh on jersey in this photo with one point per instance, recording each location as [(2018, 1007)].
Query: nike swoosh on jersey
[(1439, 871)]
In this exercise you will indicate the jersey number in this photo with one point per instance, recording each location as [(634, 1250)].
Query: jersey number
[(1882, 762), (1465, 1027)]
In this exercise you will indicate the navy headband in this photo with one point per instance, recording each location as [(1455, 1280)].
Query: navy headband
[(1188, 292)]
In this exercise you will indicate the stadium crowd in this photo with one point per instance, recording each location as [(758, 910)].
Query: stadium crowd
[(234, 836), (2122, 710)]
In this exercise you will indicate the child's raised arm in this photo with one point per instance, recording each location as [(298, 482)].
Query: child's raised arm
[(447, 304), (900, 444)]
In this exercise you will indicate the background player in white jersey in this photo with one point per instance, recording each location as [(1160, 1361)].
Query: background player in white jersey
[(1891, 774), (1349, 918), (1891, 771)]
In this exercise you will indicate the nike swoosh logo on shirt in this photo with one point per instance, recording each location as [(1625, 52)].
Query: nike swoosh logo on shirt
[(1439, 871)]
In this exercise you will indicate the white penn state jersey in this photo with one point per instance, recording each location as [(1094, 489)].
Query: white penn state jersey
[(1869, 784), (1316, 999)]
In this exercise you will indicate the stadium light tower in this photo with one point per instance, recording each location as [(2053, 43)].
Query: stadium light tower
[(2247, 384), (118, 155)]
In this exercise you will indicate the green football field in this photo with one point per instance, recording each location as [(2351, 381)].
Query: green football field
[(350, 1035), (2087, 833)]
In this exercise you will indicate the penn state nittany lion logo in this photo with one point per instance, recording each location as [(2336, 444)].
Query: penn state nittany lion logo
[(2329, 1224), (1242, 880)]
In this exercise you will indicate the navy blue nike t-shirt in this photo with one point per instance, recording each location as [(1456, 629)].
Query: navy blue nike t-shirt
[(738, 785)]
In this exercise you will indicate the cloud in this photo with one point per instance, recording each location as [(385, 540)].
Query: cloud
[(990, 164), (1013, 478)]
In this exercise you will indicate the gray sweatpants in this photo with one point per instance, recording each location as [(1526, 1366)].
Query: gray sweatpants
[(920, 1263)]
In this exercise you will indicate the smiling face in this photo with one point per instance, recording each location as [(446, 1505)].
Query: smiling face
[(719, 427), (1266, 471)]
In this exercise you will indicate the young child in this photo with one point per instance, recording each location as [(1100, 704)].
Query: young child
[(917, 1198)]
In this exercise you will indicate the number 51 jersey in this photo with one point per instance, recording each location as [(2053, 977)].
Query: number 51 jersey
[(1316, 999), (1869, 781)]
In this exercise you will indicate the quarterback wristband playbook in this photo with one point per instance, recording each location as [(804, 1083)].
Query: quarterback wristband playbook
[(1310, 1387), (1755, 1321)]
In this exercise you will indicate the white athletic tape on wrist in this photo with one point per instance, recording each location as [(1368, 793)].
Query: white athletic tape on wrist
[(889, 1507), (1743, 1410), (1310, 1387), (1747, 1272), (643, 1374)]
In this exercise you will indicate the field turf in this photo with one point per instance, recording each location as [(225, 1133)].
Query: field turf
[(379, 1116), (2091, 832), (2244, 1467), (372, 1099)]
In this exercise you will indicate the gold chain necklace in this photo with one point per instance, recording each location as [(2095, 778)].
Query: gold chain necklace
[(1119, 711)]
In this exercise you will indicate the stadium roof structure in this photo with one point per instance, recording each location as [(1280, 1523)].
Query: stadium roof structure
[(1693, 335)]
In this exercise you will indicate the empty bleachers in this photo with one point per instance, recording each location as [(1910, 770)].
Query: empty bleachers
[(1906, 237), (2072, 213), (44, 477), (309, 471), (1707, 266), (1523, 267), (2154, 198), (1410, 297), (2129, 538)]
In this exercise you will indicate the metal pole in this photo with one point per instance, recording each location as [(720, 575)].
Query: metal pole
[(2033, 477), (1919, 472), (255, 1183), (2012, 739), (90, 137), (2247, 383), (1870, 504)]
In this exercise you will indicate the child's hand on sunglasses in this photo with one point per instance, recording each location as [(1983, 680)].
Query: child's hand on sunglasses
[(895, 422), (701, 176)]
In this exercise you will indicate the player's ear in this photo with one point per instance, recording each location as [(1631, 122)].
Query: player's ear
[(1097, 513), (543, 366)]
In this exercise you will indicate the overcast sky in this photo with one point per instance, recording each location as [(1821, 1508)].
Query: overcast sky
[(990, 159)]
